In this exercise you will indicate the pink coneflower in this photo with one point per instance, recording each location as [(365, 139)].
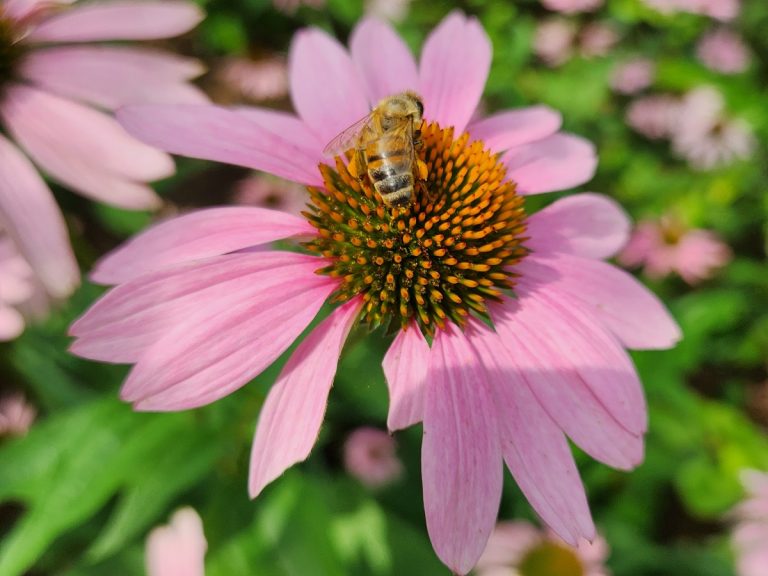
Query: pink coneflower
[(554, 40), (653, 116), (633, 76), (723, 50), (266, 191), (53, 84), (572, 6), (178, 548), (16, 415), (200, 313), (370, 455), (705, 136), (666, 246), (265, 79), (16, 288), (750, 536), (517, 548)]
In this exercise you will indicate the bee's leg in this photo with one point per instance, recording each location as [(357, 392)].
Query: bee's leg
[(422, 168)]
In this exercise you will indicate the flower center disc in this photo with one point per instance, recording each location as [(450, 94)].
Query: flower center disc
[(10, 52), (551, 559), (436, 259)]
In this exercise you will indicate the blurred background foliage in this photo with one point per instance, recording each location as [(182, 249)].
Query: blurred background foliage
[(81, 490)]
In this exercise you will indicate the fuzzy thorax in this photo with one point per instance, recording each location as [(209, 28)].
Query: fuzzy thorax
[(437, 259)]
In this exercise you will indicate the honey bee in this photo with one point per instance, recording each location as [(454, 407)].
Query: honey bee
[(385, 145)]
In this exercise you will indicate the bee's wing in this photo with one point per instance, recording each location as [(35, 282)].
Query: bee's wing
[(348, 138)]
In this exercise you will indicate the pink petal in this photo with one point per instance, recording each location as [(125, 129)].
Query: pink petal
[(265, 140), (558, 162), (224, 344), (588, 225), (535, 450), (11, 323), (197, 235), (626, 307), (383, 60), (29, 213), (460, 454), (177, 549), (102, 162), (454, 65), (515, 127), (118, 20), (293, 412), (405, 367), (580, 350), (131, 318), (325, 87), (559, 386), (111, 76)]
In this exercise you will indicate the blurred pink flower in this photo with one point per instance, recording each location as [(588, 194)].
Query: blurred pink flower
[(666, 246), (178, 548), (52, 87), (723, 50), (290, 6), (200, 313), (16, 415), (633, 76), (516, 548), (16, 288), (705, 136), (392, 10), (267, 191), (571, 6), (597, 39), (718, 9), (750, 535), (554, 40), (370, 456), (256, 80), (653, 116)]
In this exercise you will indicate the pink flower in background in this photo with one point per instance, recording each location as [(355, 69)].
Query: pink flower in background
[(290, 6), (200, 312), (370, 455), (178, 548), (16, 415), (554, 40), (718, 9), (666, 246), (16, 288), (633, 76), (54, 83), (571, 6), (520, 548), (597, 39), (723, 50), (267, 191), (705, 136), (265, 79), (653, 116), (750, 535), (392, 10)]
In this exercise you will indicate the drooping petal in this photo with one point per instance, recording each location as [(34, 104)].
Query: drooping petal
[(118, 20), (293, 412), (272, 142), (326, 89), (561, 389), (580, 349), (535, 450), (223, 345), (588, 225), (197, 235), (460, 454), (454, 66), (515, 127), (384, 62), (558, 162), (135, 315), (616, 298), (112, 76), (29, 213), (405, 367), (103, 162)]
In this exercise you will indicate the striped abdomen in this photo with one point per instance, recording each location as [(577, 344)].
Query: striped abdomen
[(390, 166)]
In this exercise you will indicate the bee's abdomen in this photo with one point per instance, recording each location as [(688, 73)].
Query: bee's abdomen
[(390, 171)]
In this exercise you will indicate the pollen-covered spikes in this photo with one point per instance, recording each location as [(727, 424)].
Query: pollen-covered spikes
[(437, 259)]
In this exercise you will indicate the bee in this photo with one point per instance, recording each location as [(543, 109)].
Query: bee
[(385, 144)]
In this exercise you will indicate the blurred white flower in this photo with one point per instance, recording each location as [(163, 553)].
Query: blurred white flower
[(178, 548), (723, 50), (597, 39), (750, 535), (370, 456), (653, 116), (392, 10), (633, 76), (16, 415), (553, 41), (257, 80)]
